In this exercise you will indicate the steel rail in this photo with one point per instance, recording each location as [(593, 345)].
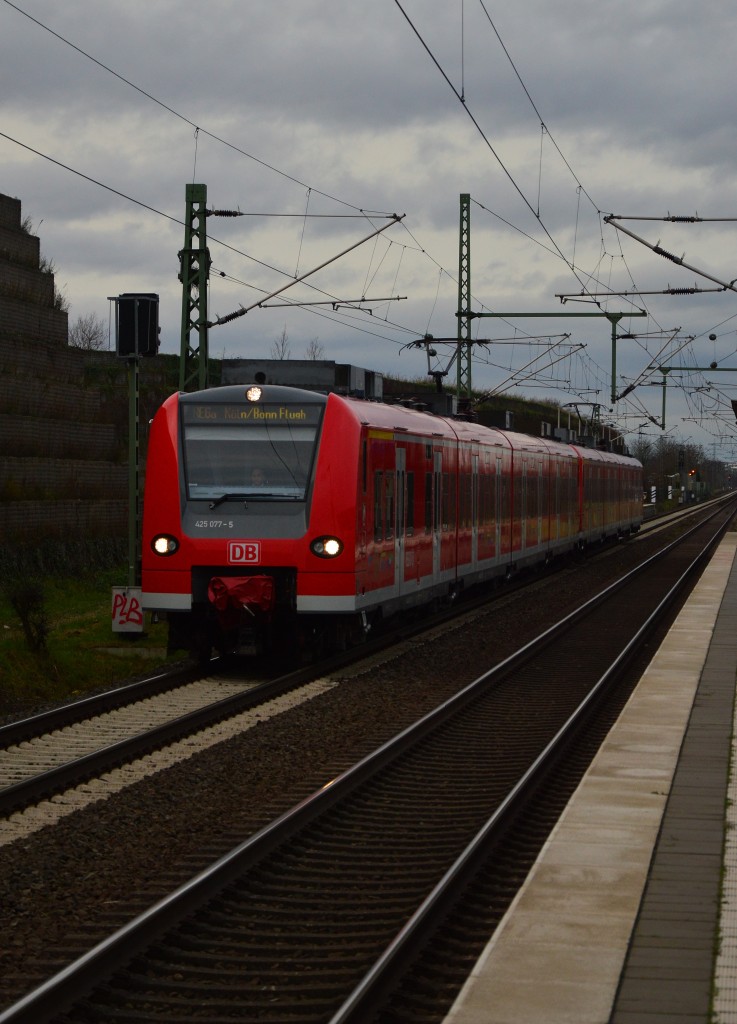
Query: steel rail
[(28, 791), (73, 712), (371, 993), (75, 981), (13, 733)]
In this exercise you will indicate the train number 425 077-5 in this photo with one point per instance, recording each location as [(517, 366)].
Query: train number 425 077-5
[(213, 524)]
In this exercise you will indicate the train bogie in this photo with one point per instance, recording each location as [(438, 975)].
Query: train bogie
[(287, 518)]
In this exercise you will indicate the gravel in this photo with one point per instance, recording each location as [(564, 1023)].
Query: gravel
[(70, 883)]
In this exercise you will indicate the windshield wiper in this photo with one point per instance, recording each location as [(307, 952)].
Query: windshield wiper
[(229, 496), (253, 496)]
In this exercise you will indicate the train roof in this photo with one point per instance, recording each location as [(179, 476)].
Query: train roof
[(600, 455), (268, 393), (398, 417)]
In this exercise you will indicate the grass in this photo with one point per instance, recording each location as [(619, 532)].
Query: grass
[(81, 654)]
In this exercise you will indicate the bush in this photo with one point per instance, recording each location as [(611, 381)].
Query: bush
[(52, 557), (29, 603)]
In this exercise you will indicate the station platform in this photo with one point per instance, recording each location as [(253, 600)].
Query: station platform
[(629, 915)]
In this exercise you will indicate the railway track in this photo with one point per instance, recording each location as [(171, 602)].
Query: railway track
[(58, 755), (320, 915), (52, 752)]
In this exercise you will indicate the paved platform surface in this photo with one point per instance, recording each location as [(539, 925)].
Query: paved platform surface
[(630, 913)]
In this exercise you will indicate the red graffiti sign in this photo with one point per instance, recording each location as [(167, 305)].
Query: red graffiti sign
[(127, 610)]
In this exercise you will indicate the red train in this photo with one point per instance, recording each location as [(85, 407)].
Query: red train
[(290, 517)]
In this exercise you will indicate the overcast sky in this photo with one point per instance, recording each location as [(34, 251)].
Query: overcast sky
[(552, 116)]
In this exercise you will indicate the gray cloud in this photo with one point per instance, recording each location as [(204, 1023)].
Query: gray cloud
[(342, 108)]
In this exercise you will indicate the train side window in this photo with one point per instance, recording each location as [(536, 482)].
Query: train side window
[(378, 506), (465, 483), (389, 506), (410, 527), (401, 510), (484, 500), (535, 489), (448, 509), (428, 502)]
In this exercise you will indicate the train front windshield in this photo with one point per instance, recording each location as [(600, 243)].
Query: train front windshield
[(261, 452)]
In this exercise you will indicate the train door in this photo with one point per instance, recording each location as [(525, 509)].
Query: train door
[(523, 508), (437, 512), (498, 491), (401, 518), (540, 505), (474, 510), (363, 512)]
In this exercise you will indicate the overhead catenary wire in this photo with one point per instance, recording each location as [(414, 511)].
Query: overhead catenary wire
[(532, 102), (182, 117), (198, 128), (249, 155), (297, 280), (730, 286), (179, 222), (487, 142), (677, 219)]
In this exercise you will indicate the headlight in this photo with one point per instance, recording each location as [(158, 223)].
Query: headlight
[(326, 547), (163, 544)]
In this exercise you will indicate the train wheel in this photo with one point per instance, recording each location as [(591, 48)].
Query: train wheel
[(358, 630), (201, 646), (203, 654), (285, 639), (316, 645), (227, 643)]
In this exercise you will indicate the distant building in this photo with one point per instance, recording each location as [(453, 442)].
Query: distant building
[(322, 375)]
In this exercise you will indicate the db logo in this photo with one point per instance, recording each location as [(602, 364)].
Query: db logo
[(240, 551)]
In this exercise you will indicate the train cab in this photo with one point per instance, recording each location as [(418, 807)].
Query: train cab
[(295, 517)]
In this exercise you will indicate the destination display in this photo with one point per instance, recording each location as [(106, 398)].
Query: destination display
[(278, 413)]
